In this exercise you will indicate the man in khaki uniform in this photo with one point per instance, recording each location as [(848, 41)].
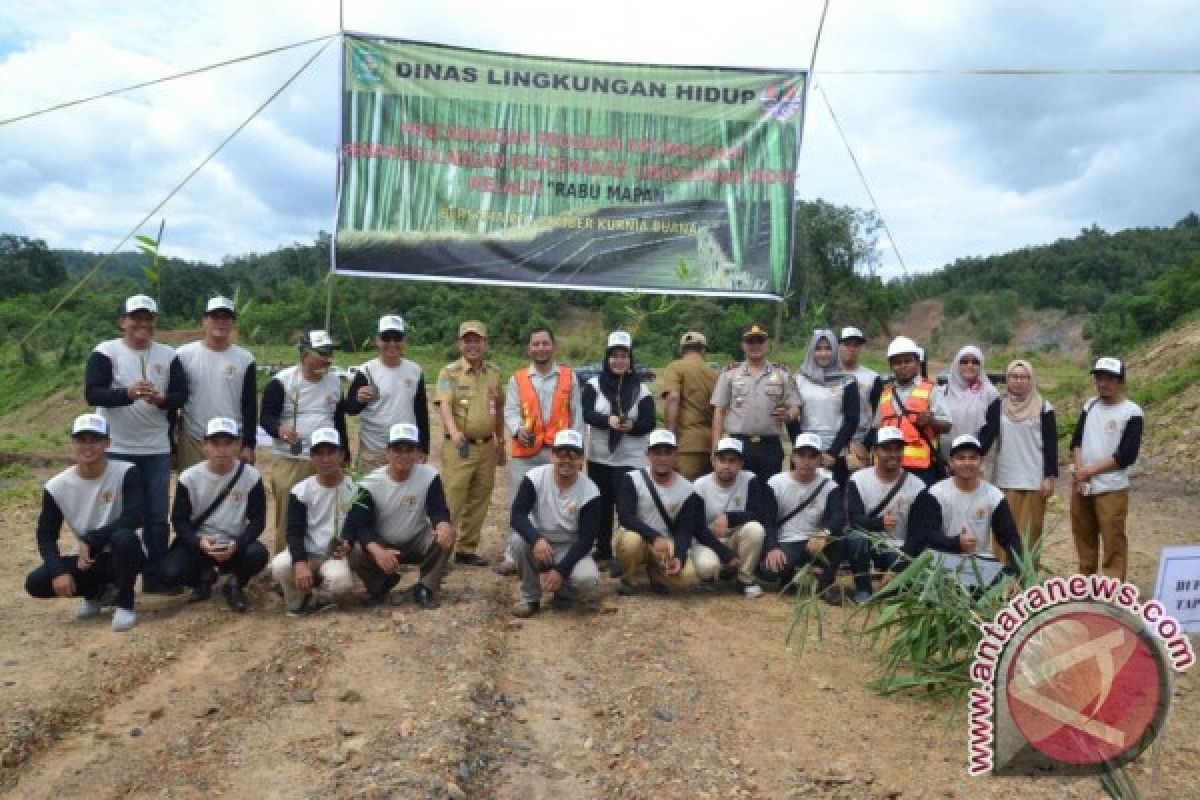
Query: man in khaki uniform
[(688, 384), (470, 400), (752, 402)]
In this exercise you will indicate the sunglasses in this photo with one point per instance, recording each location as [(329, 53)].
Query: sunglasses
[(974, 361), (391, 337)]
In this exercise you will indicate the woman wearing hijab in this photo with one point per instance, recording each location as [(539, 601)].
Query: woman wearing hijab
[(619, 412), (1022, 432), (829, 402), (968, 395)]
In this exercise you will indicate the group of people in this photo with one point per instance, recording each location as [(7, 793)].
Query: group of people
[(596, 483)]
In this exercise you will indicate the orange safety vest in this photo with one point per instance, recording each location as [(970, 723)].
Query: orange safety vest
[(918, 453), (531, 411)]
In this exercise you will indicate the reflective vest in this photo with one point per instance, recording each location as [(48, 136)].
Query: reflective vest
[(918, 453), (531, 412)]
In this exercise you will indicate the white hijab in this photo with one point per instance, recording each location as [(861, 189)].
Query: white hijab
[(969, 402)]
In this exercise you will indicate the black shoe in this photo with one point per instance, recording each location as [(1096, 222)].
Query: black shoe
[(201, 591), (423, 596), (380, 597), (108, 596), (235, 596), (658, 587), (311, 604), (470, 560), (562, 601), (625, 588)]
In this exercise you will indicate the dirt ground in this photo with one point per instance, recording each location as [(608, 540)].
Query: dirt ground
[(690, 696)]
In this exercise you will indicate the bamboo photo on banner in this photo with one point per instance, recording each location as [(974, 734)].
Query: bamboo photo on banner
[(482, 167)]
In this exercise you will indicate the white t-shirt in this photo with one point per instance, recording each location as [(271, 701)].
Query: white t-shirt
[(215, 381), (790, 493), (400, 513), (228, 520), (720, 499), (140, 428), (326, 511), (89, 504), (1102, 432), (556, 513), (307, 406), (397, 387)]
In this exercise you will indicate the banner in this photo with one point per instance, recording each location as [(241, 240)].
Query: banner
[(482, 167)]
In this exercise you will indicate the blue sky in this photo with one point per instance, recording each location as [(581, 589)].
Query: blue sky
[(961, 165)]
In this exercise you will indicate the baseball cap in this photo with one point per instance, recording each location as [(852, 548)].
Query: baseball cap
[(221, 426), (965, 440), (391, 322), (89, 423), (660, 437), (140, 302), (730, 445), (324, 436), (754, 329), (404, 432), (568, 438), (693, 337), (851, 332), (219, 303), (619, 339), (810, 441), (1109, 365), (317, 340), (472, 326), (888, 433)]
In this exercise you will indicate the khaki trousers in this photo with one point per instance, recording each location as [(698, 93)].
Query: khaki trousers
[(468, 484), (371, 460), (633, 551), (285, 473), (423, 550), (188, 452), (745, 540), (1098, 522), (1028, 508), (331, 577), (693, 465)]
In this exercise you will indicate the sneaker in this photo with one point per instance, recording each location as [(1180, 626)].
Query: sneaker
[(382, 596), (311, 604), (235, 596), (423, 596), (750, 590), (506, 568), (525, 608), (470, 560), (124, 619), (861, 597), (87, 609)]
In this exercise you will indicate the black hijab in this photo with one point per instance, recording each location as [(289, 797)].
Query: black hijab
[(620, 390)]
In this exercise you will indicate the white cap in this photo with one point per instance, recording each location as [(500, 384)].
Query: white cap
[(851, 332), (404, 432), (220, 304), (620, 339), (1110, 365), (921, 354), (140, 302), (660, 436), (324, 436), (221, 426), (901, 345), (965, 440), (89, 423), (568, 437), (729, 443), (316, 340), (811, 440), (391, 322), (888, 433)]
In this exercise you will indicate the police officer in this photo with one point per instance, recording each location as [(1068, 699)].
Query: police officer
[(470, 400), (752, 402), (688, 384)]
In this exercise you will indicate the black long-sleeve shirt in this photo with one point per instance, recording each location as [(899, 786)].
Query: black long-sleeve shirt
[(250, 406), (590, 520), (756, 506), (1127, 449), (50, 522), (351, 406), (99, 391), (990, 432), (361, 525), (256, 517), (688, 523), (926, 531), (642, 425), (833, 518)]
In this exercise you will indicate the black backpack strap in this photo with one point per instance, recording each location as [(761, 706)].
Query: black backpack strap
[(891, 494), (807, 502), (658, 503), (220, 498)]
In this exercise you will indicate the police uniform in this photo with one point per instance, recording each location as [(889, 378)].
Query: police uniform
[(750, 401), (473, 396)]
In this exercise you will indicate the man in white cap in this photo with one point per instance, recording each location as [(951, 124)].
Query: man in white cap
[(387, 390), (965, 515), (541, 401), (688, 384), (296, 402), (313, 570), (870, 386), (909, 402), (734, 507), (1104, 446), (135, 383), (660, 515), (878, 500), (220, 511), (804, 519), (221, 383), (400, 517), (101, 502), (556, 517)]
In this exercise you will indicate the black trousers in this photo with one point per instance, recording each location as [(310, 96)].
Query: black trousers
[(798, 556), (764, 458), (862, 554), (607, 478), (183, 566), (119, 565)]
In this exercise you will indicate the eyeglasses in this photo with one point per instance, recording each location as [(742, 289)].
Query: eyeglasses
[(966, 361), (391, 337)]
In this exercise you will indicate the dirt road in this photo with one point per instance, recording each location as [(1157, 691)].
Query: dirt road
[(690, 696)]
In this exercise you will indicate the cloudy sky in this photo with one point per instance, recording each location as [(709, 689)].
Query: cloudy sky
[(960, 164)]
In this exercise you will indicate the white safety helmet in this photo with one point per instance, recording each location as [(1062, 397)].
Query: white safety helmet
[(901, 345)]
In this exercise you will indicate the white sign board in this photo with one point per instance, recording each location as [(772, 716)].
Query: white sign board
[(1178, 587)]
